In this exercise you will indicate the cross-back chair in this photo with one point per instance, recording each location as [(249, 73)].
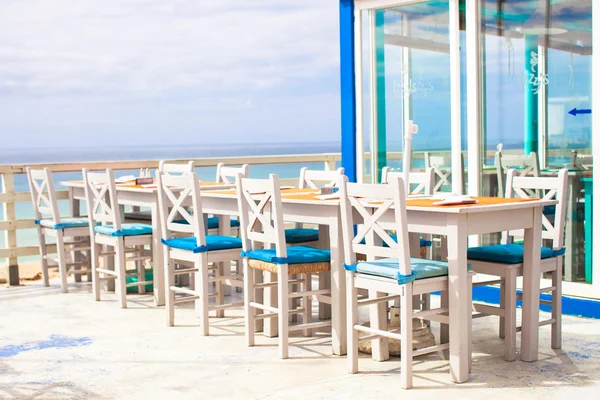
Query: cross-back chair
[(388, 274), (506, 260), (262, 225), (582, 161), (71, 254), (227, 175), (106, 229), (523, 164), (311, 179), (443, 172), (175, 195), (171, 168)]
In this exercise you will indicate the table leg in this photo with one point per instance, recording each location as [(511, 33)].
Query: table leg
[(225, 230), (338, 289), (157, 259), (324, 278), (76, 256), (270, 293), (531, 289), (458, 297)]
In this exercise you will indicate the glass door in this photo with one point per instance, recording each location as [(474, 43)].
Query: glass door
[(407, 77)]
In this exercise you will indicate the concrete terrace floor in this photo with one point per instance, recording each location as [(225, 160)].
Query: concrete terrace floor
[(66, 346)]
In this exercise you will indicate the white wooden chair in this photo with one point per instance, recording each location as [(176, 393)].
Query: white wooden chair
[(262, 224), (174, 194), (506, 260), (525, 165), (443, 172), (170, 168), (106, 229), (311, 179), (388, 273), (228, 176), (425, 182), (71, 254)]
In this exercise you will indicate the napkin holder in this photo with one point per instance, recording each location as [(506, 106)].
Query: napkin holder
[(144, 181), (328, 190)]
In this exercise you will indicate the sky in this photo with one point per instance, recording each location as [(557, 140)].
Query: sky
[(121, 72)]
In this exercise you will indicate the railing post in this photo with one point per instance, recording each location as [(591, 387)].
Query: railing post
[(10, 238)]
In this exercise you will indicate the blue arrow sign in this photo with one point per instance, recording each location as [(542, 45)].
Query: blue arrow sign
[(575, 111)]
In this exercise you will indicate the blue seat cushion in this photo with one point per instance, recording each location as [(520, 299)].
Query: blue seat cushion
[(213, 242), (213, 223), (301, 235), (65, 223), (549, 210), (422, 242), (389, 268), (295, 255), (506, 253), (126, 230)]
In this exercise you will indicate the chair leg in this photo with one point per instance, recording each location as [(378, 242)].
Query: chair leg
[(352, 319), (220, 288), (121, 271), (239, 268), (202, 288), (169, 282), (95, 257), (444, 328), (324, 283), (249, 297), (295, 302), (141, 270), (378, 316), (510, 316), (426, 299), (307, 304), (406, 327), (76, 257), (44, 260), (283, 307), (502, 306), (556, 341), (62, 261)]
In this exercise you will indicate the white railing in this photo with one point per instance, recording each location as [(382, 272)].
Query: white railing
[(10, 224)]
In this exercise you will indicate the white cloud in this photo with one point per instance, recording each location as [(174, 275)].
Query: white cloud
[(72, 72), (147, 47)]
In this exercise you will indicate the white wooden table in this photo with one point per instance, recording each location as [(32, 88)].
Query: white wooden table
[(129, 195), (457, 223)]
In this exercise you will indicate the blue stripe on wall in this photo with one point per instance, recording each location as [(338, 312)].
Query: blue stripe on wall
[(348, 88), (571, 306)]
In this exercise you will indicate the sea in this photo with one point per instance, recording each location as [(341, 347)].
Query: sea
[(36, 155)]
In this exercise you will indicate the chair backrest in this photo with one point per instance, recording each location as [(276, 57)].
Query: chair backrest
[(101, 198), (228, 175), (175, 168), (371, 202), (43, 195), (554, 188), (176, 193), (583, 161), (315, 179), (261, 218), (525, 165), (442, 169), (424, 181)]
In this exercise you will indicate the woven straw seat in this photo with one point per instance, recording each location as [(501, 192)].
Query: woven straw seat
[(309, 268)]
